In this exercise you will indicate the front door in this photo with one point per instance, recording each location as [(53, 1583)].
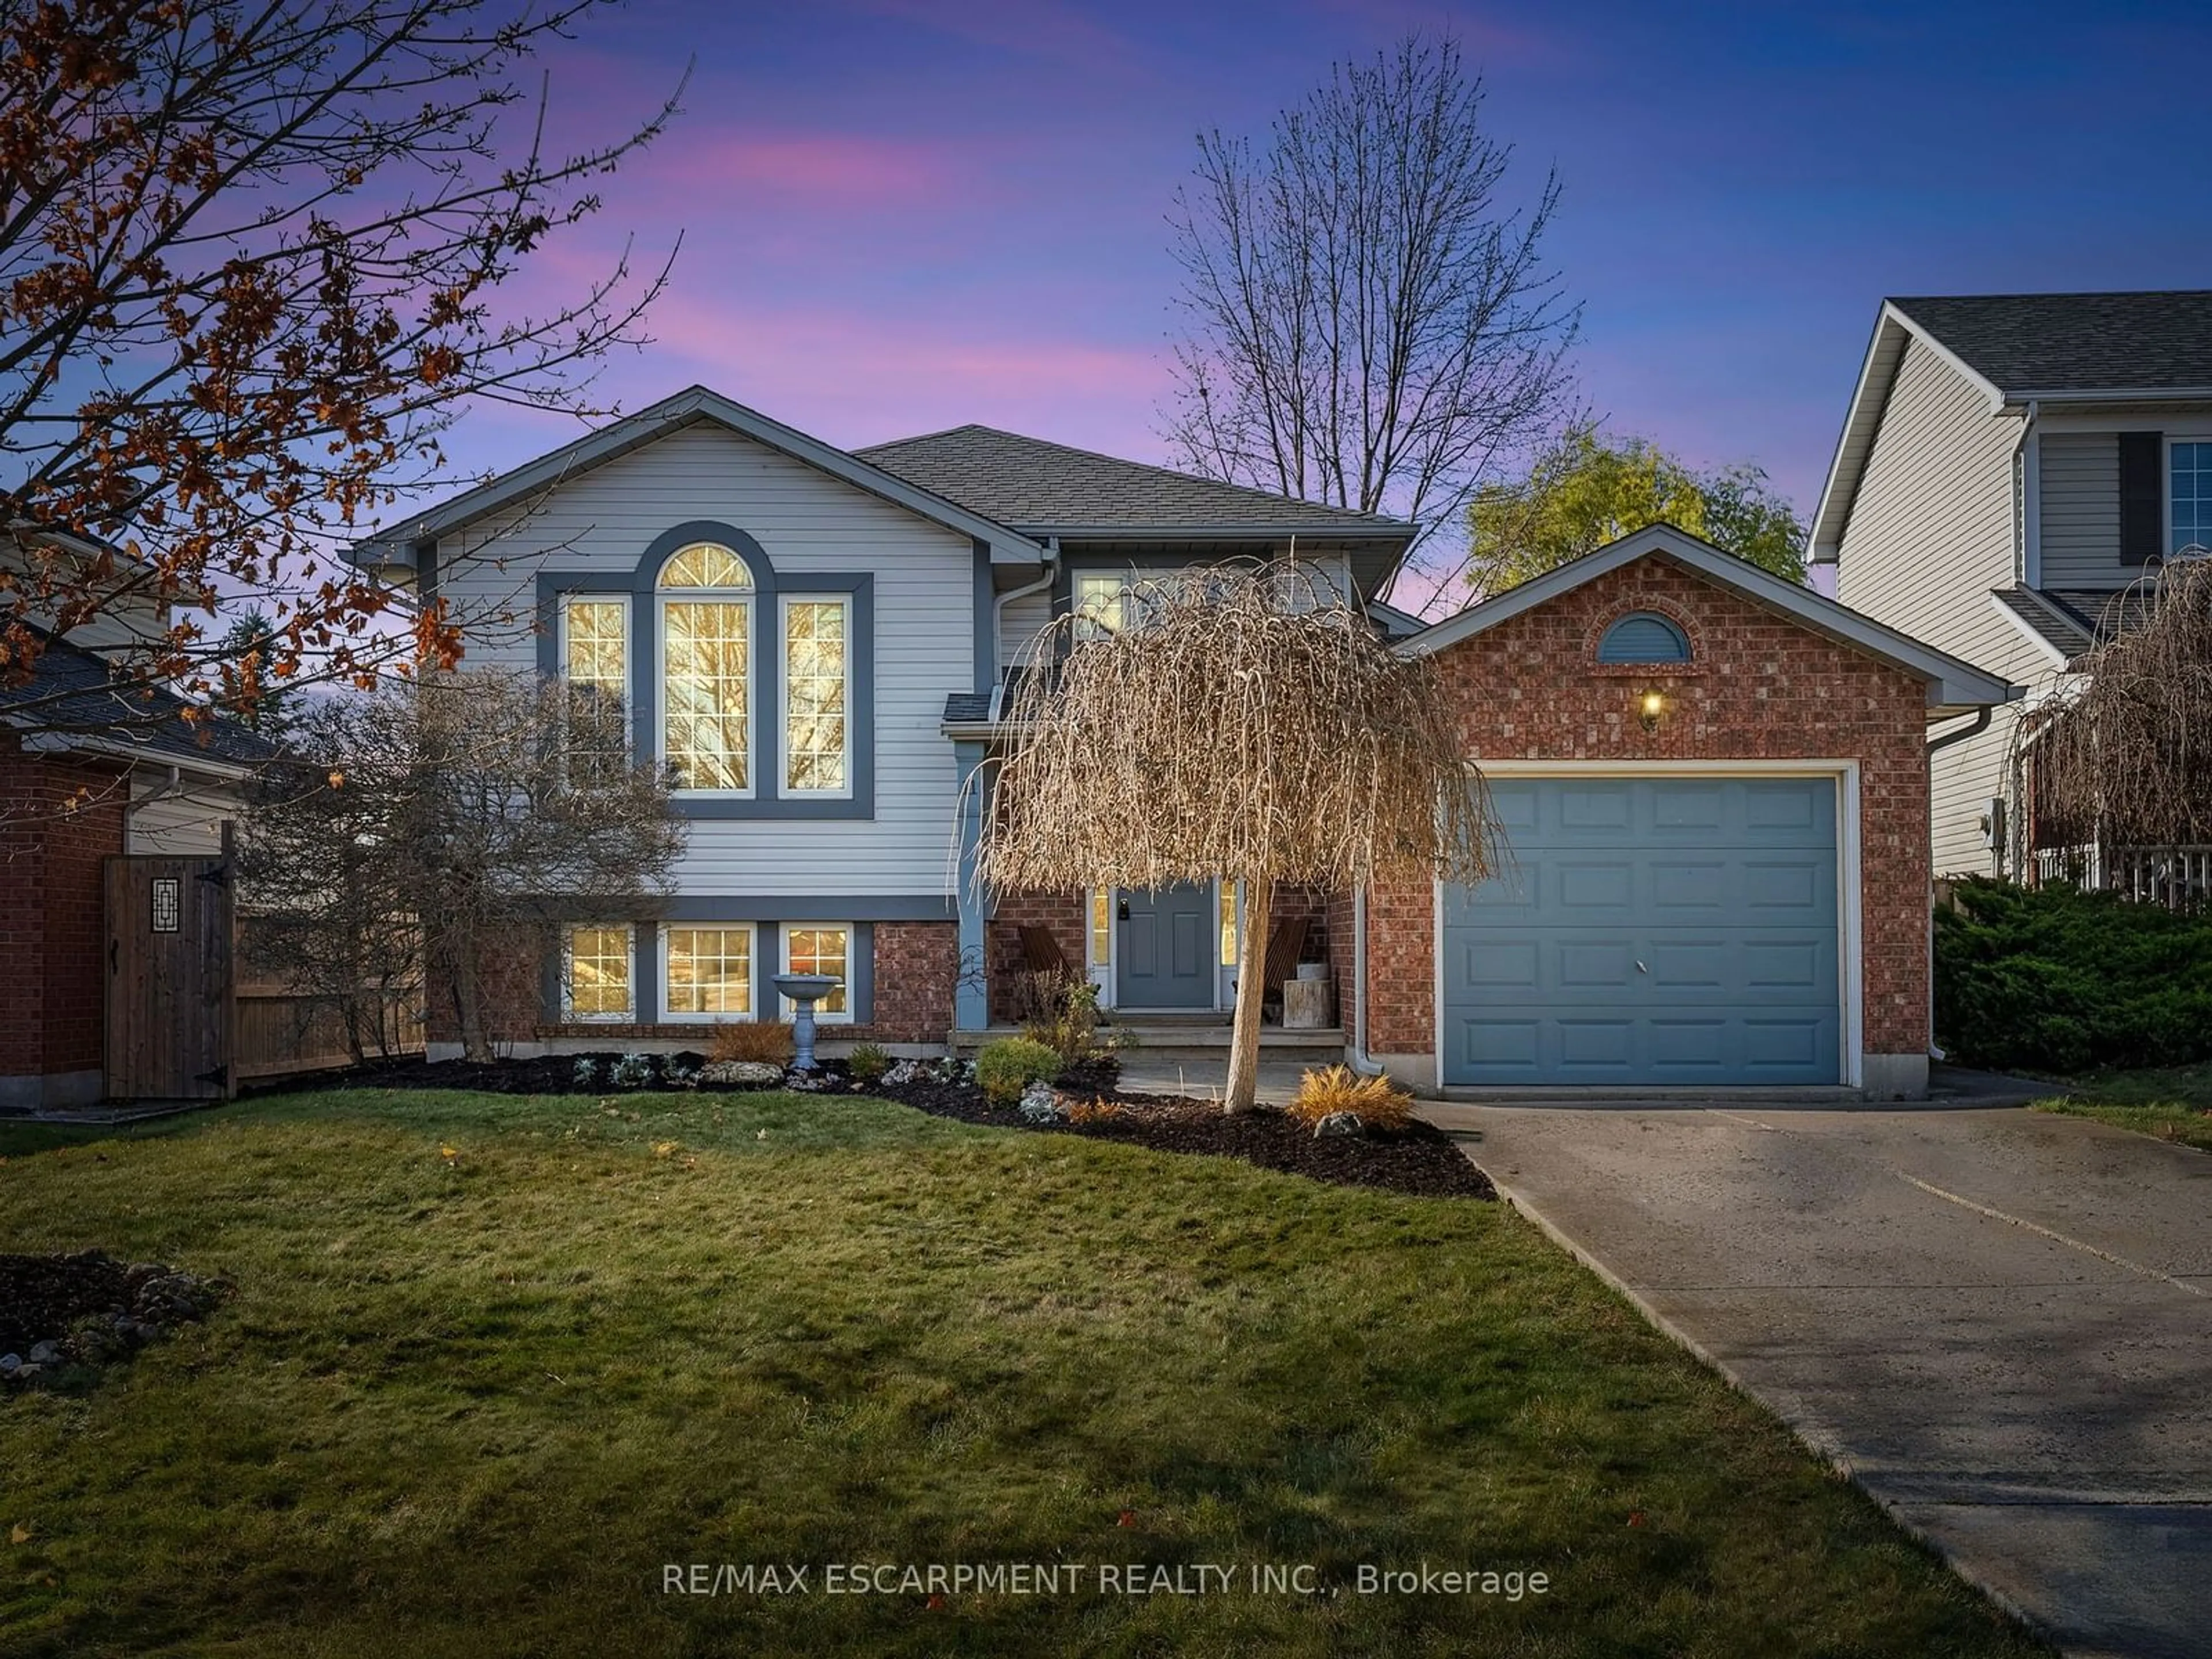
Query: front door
[(1165, 947)]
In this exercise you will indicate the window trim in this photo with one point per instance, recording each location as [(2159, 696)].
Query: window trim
[(766, 800), (2167, 551), (785, 1009), (668, 930), (569, 1014), (786, 788)]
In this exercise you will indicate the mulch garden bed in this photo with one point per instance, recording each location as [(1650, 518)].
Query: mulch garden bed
[(1419, 1159)]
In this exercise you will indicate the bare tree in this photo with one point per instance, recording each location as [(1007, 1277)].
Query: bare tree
[(249, 254), (1329, 760), (1367, 326), (449, 823)]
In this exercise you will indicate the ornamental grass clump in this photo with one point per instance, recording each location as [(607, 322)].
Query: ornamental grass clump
[(1241, 721), (768, 1042), (1376, 1100)]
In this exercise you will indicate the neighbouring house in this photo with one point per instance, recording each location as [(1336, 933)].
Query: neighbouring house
[(2010, 465), (88, 770), (1714, 783)]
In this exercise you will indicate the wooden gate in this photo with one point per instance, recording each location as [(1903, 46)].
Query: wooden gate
[(172, 1004)]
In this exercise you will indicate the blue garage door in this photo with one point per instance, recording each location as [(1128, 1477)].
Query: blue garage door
[(1668, 932)]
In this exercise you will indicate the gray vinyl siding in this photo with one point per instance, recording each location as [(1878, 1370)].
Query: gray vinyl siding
[(1931, 536), (2082, 510), (1019, 623), (804, 520), (182, 825)]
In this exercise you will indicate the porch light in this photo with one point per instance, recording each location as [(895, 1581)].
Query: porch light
[(1648, 708)]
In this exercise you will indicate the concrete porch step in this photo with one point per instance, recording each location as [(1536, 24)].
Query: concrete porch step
[(1170, 1038)]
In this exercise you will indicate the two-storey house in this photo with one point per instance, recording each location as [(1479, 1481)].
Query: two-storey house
[(2010, 464)]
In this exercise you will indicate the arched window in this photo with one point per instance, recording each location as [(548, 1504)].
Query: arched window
[(706, 668), (1643, 636)]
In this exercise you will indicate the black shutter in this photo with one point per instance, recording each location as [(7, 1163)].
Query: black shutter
[(2142, 496)]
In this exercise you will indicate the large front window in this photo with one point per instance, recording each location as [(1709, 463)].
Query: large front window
[(595, 664), (706, 668), (600, 971), (820, 948), (2191, 496), (817, 667), (708, 972)]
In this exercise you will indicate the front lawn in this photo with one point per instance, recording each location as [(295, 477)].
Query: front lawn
[(2172, 1103), (493, 1363)]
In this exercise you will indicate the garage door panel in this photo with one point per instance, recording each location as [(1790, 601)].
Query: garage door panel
[(1674, 932)]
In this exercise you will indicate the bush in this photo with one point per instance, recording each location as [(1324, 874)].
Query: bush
[(1375, 1100), (1006, 1067), (2053, 979), (1070, 1026), (765, 1040), (868, 1062), (631, 1072)]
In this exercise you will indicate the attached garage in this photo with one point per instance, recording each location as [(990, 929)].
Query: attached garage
[(1711, 792), (1666, 931)]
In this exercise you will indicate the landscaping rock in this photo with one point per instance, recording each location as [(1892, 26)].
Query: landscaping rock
[(1041, 1103), (10, 1364), (45, 1354), (747, 1073), (1339, 1123)]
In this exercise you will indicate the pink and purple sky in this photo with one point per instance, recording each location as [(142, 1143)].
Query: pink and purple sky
[(903, 215)]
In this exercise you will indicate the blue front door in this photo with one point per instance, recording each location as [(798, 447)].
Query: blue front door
[(1165, 947), (1649, 931)]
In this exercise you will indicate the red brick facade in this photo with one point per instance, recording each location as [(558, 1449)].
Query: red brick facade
[(58, 819), (1063, 913), (1758, 687)]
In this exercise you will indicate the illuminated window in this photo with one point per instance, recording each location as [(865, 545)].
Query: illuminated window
[(818, 948), (816, 666), (595, 664), (1102, 926), (1228, 924), (600, 973), (708, 972), (706, 664)]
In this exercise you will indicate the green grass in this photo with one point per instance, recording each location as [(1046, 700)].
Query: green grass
[(2172, 1103), (470, 1404)]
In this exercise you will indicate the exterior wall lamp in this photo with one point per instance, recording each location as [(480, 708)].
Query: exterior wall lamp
[(1649, 708)]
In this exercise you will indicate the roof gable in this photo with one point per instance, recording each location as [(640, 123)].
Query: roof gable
[(1953, 686), (2019, 349), (394, 546)]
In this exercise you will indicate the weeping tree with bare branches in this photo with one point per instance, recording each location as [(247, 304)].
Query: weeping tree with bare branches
[(1241, 722), (2124, 758)]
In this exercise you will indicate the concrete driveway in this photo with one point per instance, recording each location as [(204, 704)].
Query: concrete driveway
[(1999, 1322)]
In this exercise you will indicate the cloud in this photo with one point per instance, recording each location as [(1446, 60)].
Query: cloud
[(1031, 28)]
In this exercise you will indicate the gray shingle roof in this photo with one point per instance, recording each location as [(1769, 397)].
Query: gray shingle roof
[(2060, 343), (967, 708), (74, 695), (2075, 620), (1032, 485)]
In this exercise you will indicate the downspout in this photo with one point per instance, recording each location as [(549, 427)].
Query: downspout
[(173, 790), (999, 619), (1973, 728), (1361, 1062)]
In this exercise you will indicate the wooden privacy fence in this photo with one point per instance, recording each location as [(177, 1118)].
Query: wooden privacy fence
[(180, 1025), (280, 1031)]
